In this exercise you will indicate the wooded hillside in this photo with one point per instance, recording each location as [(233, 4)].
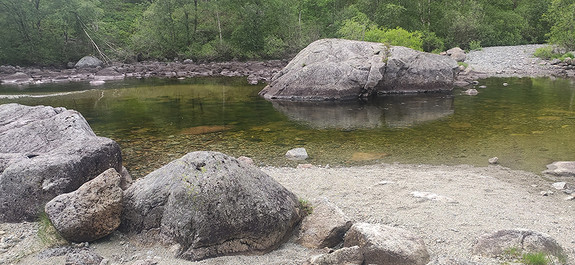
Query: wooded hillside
[(54, 32)]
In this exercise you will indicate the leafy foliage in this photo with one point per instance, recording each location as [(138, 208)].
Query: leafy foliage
[(57, 31), (561, 14)]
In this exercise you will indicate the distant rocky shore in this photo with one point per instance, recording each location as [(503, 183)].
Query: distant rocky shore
[(505, 61), (255, 72)]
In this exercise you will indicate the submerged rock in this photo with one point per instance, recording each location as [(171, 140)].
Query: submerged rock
[(297, 154), (211, 205)]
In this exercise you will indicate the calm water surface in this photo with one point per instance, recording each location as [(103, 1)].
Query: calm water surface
[(527, 124)]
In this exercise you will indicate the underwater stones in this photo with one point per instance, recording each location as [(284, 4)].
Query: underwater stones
[(297, 154)]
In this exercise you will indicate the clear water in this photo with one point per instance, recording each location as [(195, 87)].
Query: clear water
[(527, 124)]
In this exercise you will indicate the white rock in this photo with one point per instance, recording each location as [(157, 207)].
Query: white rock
[(560, 185), (297, 154)]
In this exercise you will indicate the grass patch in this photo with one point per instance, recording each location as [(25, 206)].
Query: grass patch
[(306, 207), (547, 53), (475, 45), (463, 64), (538, 258), (47, 233)]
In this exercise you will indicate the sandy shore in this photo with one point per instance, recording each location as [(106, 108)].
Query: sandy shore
[(470, 201)]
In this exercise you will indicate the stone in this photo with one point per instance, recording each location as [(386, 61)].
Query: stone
[(381, 244), (471, 92), (561, 169), (324, 227), (336, 69), (89, 62), (409, 71), (17, 78), (560, 185), (211, 205), (91, 212), (188, 61), (524, 241), (297, 154), (246, 160), (457, 54), (44, 152), (493, 160)]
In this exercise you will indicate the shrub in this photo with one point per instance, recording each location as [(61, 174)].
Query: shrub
[(432, 43), (545, 52), (475, 45), (396, 37)]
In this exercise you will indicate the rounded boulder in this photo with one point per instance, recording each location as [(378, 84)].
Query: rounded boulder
[(211, 205)]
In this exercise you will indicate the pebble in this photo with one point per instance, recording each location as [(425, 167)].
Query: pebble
[(570, 198), (493, 160), (546, 193), (2, 232)]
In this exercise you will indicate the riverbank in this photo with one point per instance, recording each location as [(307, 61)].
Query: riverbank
[(255, 71), (503, 61), (512, 61), (469, 202)]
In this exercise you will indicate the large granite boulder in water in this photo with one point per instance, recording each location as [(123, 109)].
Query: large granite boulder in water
[(335, 69), (44, 152), (211, 205)]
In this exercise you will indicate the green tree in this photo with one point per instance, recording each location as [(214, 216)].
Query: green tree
[(47, 32), (561, 15)]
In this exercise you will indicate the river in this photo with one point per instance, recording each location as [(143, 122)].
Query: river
[(526, 123)]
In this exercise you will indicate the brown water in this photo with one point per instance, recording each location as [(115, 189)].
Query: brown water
[(527, 124)]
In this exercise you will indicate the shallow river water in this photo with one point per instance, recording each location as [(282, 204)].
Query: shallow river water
[(526, 124)]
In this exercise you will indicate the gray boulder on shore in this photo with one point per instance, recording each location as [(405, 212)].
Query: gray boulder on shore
[(89, 62), (336, 69), (367, 243), (91, 212), (44, 152), (211, 205)]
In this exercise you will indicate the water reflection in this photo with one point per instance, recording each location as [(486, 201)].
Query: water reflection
[(391, 111)]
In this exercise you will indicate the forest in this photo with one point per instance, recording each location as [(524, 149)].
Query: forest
[(55, 32)]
